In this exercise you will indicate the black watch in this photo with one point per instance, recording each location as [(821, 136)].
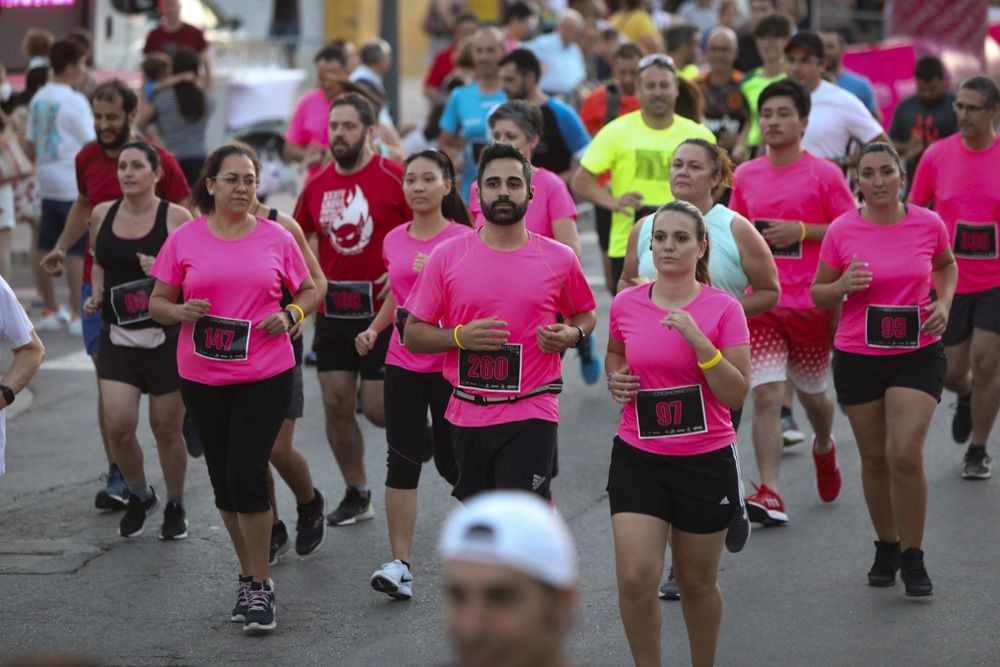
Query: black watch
[(7, 393), (291, 318), (579, 338)]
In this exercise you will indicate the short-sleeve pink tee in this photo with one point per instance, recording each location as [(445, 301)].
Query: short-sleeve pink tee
[(311, 123), (667, 366), (811, 190), (399, 250), (242, 280), (465, 280), (552, 201), (900, 257), (961, 185)]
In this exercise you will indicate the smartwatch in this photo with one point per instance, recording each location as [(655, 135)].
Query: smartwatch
[(579, 338), (7, 393)]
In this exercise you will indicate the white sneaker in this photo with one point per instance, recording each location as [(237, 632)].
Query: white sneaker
[(51, 321), (63, 315), (394, 579), (76, 328)]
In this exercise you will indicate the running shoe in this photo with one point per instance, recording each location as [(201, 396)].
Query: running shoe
[(976, 464), (239, 614), (309, 358), (766, 507), (260, 608), (591, 366), (355, 506), (135, 515), (961, 423), (75, 327), (738, 532), (914, 574), (114, 495), (886, 565), (279, 542), (669, 589), (828, 480), (790, 433), (310, 530), (52, 321), (191, 438), (394, 579), (175, 525)]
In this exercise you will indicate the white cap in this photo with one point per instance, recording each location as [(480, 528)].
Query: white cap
[(512, 528)]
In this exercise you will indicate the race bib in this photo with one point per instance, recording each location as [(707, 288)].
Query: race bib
[(130, 301), (976, 240), (349, 300), (221, 338), (668, 413), (401, 315), (892, 326), (793, 251), (491, 371)]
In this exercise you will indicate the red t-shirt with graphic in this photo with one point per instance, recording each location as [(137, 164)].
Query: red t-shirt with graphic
[(351, 214)]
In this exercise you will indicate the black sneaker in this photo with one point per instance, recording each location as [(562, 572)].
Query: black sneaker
[(260, 608), (669, 589), (279, 542), (886, 565), (114, 495), (239, 614), (739, 531), (135, 515), (976, 464), (191, 438), (961, 423), (310, 530), (175, 525), (355, 506), (914, 574)]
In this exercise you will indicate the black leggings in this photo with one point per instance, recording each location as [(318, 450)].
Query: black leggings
[(238, 424), (407, 396)]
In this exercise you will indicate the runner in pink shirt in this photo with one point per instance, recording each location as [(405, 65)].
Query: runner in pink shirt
[(307, 138), (413, 382), (674, 466), (490, 301), (792, 197), (888, 363), (234, 354), (957, 176)]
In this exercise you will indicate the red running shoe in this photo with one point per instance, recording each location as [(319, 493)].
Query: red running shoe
[(766, 507), (827, 472)]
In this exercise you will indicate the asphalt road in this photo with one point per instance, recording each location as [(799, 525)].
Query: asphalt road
[(795, 596)]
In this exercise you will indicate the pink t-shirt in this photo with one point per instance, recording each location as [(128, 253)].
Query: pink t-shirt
[(399, 249), (311, 123), (679, 416), (885, 318), (465, 280), (812, 190), (552, 201), (961, 185), (242, 280)]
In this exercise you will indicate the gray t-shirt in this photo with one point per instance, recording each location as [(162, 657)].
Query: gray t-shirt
[(912, 117), (183, 137)]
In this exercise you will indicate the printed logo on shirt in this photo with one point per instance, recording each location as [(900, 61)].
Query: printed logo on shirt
[(346, 218), (652, 165)]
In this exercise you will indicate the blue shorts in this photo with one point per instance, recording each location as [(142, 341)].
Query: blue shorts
[(52, 222), (91, 323)]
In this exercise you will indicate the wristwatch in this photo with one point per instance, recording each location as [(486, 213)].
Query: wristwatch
[(7, 393), (579, 338)]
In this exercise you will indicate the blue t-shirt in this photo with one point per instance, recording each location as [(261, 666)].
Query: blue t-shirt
[(564, 137), (860, 87), (465, 113), (572, 129)]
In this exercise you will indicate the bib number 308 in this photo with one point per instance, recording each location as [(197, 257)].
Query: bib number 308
[(892, 326), (491, 371), (221, 338), (667, 413), (976, 240)]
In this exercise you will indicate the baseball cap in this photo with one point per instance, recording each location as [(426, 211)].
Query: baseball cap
[(515, 529), (807, 41)]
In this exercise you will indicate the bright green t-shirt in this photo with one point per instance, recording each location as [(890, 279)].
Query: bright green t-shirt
[(638, 158), (752, 86)]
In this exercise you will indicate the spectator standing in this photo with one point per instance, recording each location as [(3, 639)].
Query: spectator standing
[(726, 113), (682, 45), (636, 23), (563, 65), (859, 86), (171, 35), (444, 62), (701, 13)]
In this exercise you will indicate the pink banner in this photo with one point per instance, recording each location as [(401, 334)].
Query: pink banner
[(890, 69)]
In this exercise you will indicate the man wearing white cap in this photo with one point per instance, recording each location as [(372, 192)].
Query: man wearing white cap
[(510, 581)]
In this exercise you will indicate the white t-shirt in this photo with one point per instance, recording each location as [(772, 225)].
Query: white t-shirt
[(837, 116), (60, 123), (15, 331)]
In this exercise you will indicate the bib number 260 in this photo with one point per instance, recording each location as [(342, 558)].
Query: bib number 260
[(491, 371)]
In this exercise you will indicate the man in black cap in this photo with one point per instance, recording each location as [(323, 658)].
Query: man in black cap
[(837, 117)]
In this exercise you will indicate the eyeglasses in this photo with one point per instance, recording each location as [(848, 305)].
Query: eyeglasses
[(232, 180), (657, 59), (971, 108)]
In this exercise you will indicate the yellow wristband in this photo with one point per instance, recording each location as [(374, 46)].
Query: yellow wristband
[(302, 314), (803, 225), (457, 341), (711, 362)]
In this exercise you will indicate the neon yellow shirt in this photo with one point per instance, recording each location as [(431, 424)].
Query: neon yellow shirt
[(752, 86), (638, 158), (689, 72)]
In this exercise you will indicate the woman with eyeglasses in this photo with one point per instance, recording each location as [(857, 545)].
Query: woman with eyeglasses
[(234, 355)]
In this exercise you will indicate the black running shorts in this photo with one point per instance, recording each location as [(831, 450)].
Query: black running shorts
[(863, 378), (153, 371), (335, 351), (516, 455), (976, 310)]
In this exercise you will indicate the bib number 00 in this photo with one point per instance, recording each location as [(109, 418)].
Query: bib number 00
[(130, 301)]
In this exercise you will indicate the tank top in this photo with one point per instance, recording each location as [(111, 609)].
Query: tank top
[(724, 263), (127, 288), (286, 298)]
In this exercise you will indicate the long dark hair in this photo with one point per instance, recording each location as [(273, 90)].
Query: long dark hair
[(701, 273), (452, 206), (199, 195), (190, 98)]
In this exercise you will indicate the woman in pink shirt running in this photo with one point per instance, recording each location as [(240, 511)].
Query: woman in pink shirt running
[(674, 465), (888, 362), (234, 354)]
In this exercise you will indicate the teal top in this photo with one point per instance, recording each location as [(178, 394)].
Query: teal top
[(723, 258)]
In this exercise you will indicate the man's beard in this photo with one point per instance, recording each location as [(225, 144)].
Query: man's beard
[(350, 158), (120, 139), (508, 216)]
